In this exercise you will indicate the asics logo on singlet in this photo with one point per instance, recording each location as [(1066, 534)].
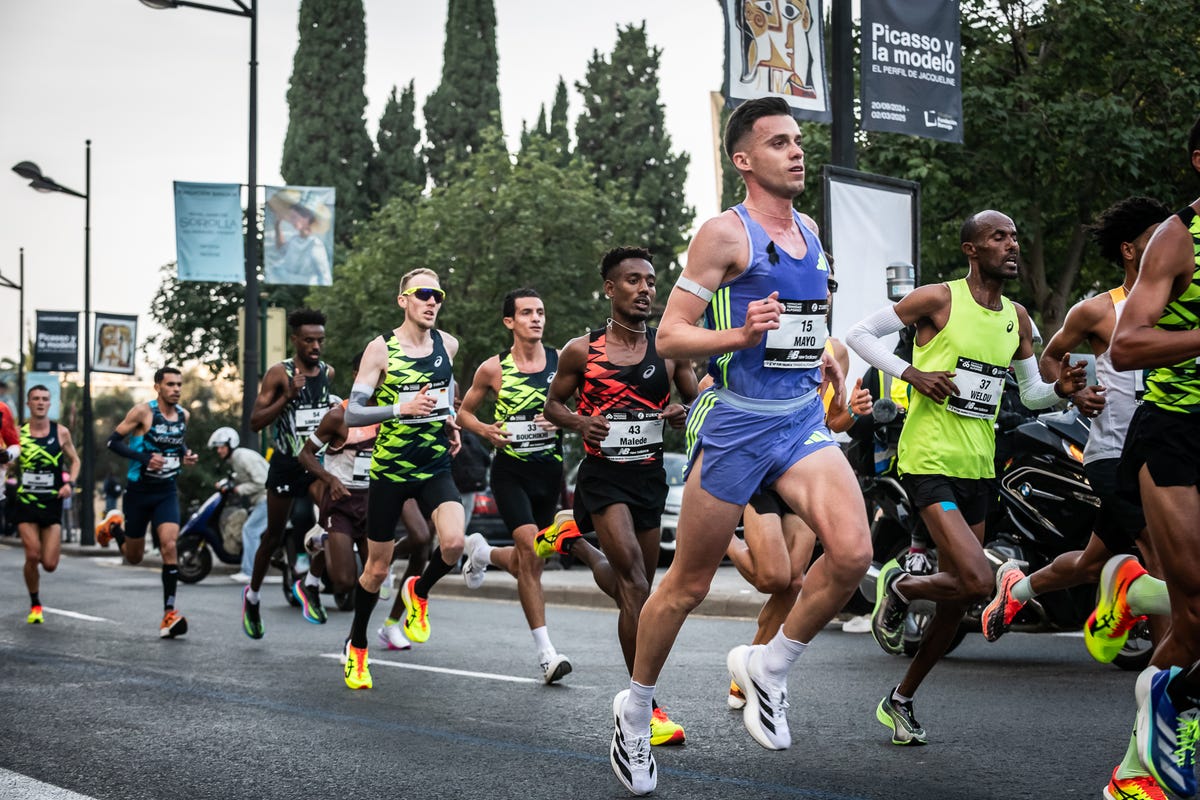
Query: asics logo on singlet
[(550, 379), (649, 371), (438, 361), (1009, 328)]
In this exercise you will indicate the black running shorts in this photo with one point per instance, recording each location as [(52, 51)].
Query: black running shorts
[(1167, 443), (526, 492), (969, 495), (1120, 522), (768, 501), (600, 484), (50, 513), (287, 478), (386, 499)]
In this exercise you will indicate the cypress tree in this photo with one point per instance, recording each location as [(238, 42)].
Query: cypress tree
[(397, 168), (559, 133), (622, 134), (327, 142), (468, 98)]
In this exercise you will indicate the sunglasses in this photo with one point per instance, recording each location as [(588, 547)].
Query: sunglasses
[(425, 294), (832, 285)]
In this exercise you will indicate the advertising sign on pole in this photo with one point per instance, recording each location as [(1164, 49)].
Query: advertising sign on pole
[(56, 342), (209, 244)]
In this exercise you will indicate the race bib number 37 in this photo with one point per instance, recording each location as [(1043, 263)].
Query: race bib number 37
[(980, 387), (798, 341)]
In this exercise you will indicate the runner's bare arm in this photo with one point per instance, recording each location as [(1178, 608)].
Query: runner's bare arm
[(332, 429), (567, 382), (926, 307), (1080, 325), (487, 379), (273, 395), (73, 463), (1036, 393), (137, 421)]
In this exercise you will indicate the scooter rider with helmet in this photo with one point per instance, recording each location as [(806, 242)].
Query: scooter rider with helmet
[(250, 483)]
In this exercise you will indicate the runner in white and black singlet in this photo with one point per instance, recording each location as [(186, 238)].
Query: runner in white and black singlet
[(293, 398)]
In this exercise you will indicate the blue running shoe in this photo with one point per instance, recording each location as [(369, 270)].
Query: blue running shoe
[(1166, 735)]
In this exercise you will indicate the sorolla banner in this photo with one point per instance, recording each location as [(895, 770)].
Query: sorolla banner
[(911, 68), (209, 239), (776, 48), (298, 235), (56, 342), (114, 341)]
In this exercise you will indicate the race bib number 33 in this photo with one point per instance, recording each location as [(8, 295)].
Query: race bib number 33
[(798, 341), (980, 387)]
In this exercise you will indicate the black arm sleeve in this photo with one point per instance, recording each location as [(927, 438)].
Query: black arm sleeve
[(116, 443)]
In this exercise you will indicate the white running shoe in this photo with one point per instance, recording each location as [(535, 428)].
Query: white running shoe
[(765, 713), (475, 566), (392, 637), (630, 756), (314, 540), (555, 666), (859, 624)]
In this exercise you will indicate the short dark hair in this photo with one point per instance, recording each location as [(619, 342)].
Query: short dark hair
[(357, 361), (1194, 139), (305, 316), (509, 308), (1123, 222), (742, 120), (619, 254), (162, 372), (40, 387)]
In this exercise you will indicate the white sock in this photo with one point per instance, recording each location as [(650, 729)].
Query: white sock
[(899, 698), (252, 596), (1023, 590), (635, 717), (541, 640), (779, 654), (1148, 595), (312, 580), (485, 552)]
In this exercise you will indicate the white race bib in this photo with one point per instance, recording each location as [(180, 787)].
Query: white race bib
[(170, 463), (441, 408), (800, 338), (362, 467), (307, 420), (38, 481), (980, 387), (632, 435), (527, 436)]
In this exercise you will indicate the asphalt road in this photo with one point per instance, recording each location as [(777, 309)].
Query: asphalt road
[(98, 705)]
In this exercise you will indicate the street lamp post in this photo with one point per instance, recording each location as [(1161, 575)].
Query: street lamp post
[(44, 183), (20, 287), (247, 9)]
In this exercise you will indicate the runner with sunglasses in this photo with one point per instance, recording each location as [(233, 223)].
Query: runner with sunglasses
[(407, 373)]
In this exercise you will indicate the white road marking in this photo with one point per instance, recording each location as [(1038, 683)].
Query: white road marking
[(1070, 634), (375, 662), (16, 786), (74, 614)]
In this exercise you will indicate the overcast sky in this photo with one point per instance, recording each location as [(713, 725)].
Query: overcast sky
[(163, 97)]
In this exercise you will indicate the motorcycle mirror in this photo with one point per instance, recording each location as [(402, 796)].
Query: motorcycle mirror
[(885, 410)]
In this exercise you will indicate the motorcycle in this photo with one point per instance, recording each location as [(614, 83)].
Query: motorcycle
[(215, 529), (1044, 507)]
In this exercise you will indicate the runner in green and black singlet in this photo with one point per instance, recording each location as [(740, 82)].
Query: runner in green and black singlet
[(1159, 331), (40, 491), (526, 477), (967, 335), (405, 383), (292, 399)]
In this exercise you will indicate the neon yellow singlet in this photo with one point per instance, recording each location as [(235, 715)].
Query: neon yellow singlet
[(957, 438)]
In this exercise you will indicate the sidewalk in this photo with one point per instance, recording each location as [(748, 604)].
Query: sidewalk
[(730, 596)]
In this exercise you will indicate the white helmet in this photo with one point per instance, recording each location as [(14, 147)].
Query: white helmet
[(224, 436)]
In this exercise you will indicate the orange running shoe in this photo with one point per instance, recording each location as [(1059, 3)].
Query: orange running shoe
[(663, 731), (1139, 787), (416, 608), (998, 614), (104, 530), (173, 624), (1107, 628), (356, 673)]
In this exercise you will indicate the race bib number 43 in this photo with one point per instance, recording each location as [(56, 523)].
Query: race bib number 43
[(980, 387), (798, 341), (632, 435)]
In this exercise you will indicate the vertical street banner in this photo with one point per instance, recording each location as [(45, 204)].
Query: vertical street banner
[(777, 49), (209, 240), (114, 341), (56, 341), (912, 68), (298, 235)]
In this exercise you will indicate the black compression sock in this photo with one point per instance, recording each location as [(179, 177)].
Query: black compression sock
[(33, 599), (170, 580), (434, 571), (364, 604), (1184, 690)]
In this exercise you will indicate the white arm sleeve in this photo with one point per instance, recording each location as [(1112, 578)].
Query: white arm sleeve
[(1035, 393), (358, 413), (863, 338)]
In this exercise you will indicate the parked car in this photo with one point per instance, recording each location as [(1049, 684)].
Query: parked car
[(486, 519)]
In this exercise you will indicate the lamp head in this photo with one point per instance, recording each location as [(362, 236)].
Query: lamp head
[(28, 170), (159, 3)]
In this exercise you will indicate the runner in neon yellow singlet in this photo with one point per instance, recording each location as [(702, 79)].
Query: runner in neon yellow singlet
[(967, 335)]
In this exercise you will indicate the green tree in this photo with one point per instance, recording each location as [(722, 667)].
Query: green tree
[(327, 142), (1068, 107), (198, 321), (468, 99), (559, 133), (527, 223), (538, 135), (397, 168), (622, 134)]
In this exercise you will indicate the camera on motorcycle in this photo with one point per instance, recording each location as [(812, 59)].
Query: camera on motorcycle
[(225, 485), (885, 410)]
